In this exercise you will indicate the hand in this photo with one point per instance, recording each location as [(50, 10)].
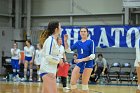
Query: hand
[(78, 60), (61, 62), (65, 37), (66, 63)]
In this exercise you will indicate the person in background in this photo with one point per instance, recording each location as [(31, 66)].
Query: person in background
[(73, 62), (37, 60), (15, 61), (100, 68), (29, 57), (63, 68), (137, 62)]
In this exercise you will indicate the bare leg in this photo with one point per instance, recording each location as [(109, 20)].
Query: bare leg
[(31, 70), (25, 68), (85, 79), (49, 84), (74, 77)]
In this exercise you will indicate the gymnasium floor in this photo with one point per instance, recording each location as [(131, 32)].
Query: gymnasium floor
[(30, 87)]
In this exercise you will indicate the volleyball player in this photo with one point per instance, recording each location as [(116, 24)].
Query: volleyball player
[(29, 57), (38, 59), (50, 58), (15, 61), (86, 53)]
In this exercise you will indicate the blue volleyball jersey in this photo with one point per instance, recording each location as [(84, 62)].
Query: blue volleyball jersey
[(84, 49)]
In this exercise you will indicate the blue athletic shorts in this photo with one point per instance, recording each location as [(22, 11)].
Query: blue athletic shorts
[(42, 74), (14, 63), (28, 58), (83, 65)]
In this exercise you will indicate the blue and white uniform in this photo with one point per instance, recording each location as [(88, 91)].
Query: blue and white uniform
[(29, 52), (38, 57), (15, 58), (136, 64), (50, 56), (84, 49)]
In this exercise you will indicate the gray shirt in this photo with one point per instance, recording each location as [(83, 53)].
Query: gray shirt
[(101, 63)]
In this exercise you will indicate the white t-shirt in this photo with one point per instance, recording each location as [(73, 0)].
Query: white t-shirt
[(46, 65), (29, 51), (61, 51), (15, 53), (38, 57), (137, 53)]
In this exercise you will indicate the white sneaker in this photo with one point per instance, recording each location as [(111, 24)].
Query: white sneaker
[(58, 80), (4, 78), (14, 79), (39, 79), (24, 79), (30, 79), (138, 87), (17, 78), (66, 90)]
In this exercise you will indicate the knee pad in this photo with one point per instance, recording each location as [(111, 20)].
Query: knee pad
[(73, 86), (84, 87)]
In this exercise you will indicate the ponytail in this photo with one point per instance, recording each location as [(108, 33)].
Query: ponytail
[(49, 31), (43, 36)]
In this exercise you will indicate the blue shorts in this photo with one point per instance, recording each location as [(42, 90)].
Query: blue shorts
[(28, 58), (42, 74), (14, 63), (83, 65)]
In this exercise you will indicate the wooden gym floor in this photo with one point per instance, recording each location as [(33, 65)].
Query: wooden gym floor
[(29, 87)]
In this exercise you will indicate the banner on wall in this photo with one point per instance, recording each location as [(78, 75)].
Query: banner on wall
[(105, 36)]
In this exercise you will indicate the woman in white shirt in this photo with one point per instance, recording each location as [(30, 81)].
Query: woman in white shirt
[(61, 68), (50, 57), (137, 61), (29, 57), (15, 61), (37, 60)]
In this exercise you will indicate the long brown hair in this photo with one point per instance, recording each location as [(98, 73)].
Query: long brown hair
[(48, 32)]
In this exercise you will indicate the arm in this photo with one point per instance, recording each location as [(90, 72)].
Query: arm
[(19, 57), (12, 52), (105, 65), (138, 51), (46, 50), (33, 54), (65, 58), (68, 49)]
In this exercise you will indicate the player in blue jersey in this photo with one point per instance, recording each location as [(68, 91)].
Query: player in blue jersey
[(86, 53)]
